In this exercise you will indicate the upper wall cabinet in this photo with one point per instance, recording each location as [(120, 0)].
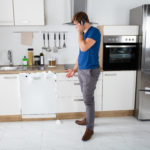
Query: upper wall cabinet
[(29, 12), (58, 11), (6, 12)]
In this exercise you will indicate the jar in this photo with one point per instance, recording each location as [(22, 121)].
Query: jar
[(30, 56), (36, 60), (52, 62)]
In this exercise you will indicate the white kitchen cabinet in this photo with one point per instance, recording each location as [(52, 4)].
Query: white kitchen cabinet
[(98, 94), (70, 104), (69, 94), (9, 95), (29, 12), (70, 97), (58, 11), (119, 90), (6, 12), (69, 88)]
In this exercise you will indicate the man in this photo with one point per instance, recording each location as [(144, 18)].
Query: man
[(87, 66)]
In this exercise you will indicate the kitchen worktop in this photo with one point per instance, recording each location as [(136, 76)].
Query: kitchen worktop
[(34, 69)]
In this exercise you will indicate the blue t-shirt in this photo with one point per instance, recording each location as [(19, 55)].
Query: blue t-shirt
[(90, 58)]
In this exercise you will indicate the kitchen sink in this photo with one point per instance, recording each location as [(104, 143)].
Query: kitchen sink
[(5, 68), (22, 68), (11, 68), (68, 66)]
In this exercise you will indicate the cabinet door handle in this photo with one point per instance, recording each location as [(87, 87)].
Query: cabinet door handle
[(10, 77), (113, 74), (75, 75), (25, 21), (5, 21), (36, 78), (78, 99), (76, 83)]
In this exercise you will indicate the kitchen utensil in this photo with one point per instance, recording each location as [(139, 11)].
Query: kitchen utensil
[(59, 47), (55, 50), (48, 48), (64, 45), (44, 47)]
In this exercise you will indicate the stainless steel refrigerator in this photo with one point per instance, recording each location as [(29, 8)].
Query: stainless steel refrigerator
[(141, 16)]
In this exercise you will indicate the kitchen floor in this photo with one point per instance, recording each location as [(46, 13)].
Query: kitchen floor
[(117, 133)]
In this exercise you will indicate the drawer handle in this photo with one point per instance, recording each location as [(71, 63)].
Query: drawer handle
[(36, 78), (76, 83), (75, 75), (78, 99), (10, 77), (25, 21), (111, 74)]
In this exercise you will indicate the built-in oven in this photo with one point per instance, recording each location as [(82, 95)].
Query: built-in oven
[(120, 53)]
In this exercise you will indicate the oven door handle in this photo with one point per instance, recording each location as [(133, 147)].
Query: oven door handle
[(120, 46)]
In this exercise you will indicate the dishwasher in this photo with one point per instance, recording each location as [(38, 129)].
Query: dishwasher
[(38, 94)]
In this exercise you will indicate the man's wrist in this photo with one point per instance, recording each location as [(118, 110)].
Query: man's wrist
[(74, 69)]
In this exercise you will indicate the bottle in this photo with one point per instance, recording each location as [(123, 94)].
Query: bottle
[(25, 61), (41, 59), (36, 60), (30, 56)]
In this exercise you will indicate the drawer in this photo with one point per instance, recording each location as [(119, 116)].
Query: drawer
[(62, 76), (66, 105), (68, 88)]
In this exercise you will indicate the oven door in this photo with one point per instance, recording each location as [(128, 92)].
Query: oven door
[(120, 56)]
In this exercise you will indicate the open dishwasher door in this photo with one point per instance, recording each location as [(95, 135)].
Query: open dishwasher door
[(38, 95)]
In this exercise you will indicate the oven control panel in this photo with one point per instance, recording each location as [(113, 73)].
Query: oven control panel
[(120, 39)]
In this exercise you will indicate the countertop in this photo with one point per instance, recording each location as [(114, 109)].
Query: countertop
[(34, 69)]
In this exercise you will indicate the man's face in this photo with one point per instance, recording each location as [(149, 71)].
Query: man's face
[(77, 24)]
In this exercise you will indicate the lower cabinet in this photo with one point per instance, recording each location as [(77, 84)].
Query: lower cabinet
[(9, 95), (70, 104), (70, 97), (119, 90)]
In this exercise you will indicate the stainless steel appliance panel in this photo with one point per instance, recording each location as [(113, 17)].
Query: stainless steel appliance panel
[(145, 80), (144, 105), (141, 16), (146, 38)]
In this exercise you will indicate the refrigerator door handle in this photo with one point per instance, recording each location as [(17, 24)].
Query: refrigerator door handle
[(147, 90)]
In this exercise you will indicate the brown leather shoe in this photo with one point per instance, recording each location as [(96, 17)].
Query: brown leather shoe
[(87, 135), (81, 122)]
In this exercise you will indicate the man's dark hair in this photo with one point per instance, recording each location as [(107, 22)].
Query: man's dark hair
[(80, 16)]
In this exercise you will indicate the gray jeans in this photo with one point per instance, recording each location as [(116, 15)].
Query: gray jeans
[(88, 79)]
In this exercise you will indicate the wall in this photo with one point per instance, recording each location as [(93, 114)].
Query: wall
[(112, 12), (104, 12)]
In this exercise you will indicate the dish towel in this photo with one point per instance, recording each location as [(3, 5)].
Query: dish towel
[(26, 38)]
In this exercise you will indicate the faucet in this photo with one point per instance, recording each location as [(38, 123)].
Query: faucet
[(10, 57)]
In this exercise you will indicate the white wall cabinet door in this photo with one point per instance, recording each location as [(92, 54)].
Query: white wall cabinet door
[(9, 95), (6, 12), (29, 12), (58, 11), (119, 90)]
